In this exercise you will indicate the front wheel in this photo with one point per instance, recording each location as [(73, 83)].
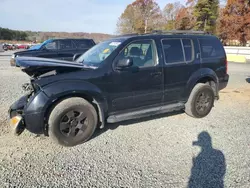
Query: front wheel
[(72, 121), (201, 101)]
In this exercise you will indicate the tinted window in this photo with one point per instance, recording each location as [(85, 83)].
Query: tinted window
[(211, 48), (83, 43), (188, 49), (51, 45), (142, 52), (65, 45), (173, 51)]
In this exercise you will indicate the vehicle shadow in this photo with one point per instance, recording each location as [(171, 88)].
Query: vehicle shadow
[(248, 80), (113, 126), (209, 167)]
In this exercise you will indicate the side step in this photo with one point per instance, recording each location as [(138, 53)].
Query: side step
[(145, 113)]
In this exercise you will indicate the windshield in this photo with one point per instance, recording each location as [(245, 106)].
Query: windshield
[(97, 54)]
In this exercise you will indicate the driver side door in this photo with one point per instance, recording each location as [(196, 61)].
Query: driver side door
[(142, 84), (49, 50)]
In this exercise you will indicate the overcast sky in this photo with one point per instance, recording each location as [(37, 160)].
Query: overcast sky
[(64, 15)]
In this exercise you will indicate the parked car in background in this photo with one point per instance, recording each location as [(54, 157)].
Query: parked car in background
[(119, 79), (23, 46), (5, 47), (62, 49)]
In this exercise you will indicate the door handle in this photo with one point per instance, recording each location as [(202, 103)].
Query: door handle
[(156, 73)]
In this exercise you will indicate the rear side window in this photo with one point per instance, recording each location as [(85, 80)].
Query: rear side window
[(65, 45), (211, 48), (81, 44), (173, 51), (188, 49)]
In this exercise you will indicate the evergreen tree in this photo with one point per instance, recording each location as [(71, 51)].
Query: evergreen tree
[(206, 13)]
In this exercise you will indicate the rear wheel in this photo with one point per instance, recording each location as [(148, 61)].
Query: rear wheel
[(201, 101), (72, 121)]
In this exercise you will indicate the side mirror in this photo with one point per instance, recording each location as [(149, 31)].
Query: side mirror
[(124, 63)]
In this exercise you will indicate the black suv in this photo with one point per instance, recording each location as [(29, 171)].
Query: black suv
[(122, 78), (62, 49)]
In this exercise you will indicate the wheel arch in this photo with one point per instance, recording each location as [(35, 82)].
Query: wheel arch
[(100, 108), (60, 91), (206, 76)]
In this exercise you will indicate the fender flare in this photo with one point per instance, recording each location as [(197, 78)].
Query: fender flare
[(200, 74)]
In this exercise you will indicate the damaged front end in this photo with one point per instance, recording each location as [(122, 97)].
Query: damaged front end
[(16, 110), (28, 112)]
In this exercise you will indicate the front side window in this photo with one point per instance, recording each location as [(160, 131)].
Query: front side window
[(98, 53), (51, 46), (142, 52)]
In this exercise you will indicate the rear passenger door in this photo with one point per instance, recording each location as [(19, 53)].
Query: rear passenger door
[(181, 62), (66, 50)]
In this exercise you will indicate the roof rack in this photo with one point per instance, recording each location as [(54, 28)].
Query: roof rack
[(179, 32), (126, 35), (165, 32)]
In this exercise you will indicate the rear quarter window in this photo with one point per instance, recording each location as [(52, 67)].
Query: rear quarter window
[(211, 48), (81, 44)]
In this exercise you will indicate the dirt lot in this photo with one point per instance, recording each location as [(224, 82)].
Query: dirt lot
[(151, 152)]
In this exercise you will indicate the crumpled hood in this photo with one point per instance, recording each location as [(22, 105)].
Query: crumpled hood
[(35, 66)]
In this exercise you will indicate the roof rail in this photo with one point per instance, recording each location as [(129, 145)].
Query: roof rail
[(126, 35), (180, 32)]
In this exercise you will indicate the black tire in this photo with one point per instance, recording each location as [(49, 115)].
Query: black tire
[(197, 105), (67, 124)]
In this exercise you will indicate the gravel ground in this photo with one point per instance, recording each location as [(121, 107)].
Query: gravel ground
[(152, 152)]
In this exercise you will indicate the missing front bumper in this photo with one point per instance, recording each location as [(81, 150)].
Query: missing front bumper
[(17, 124)]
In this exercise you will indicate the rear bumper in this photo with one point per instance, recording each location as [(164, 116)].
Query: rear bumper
[(223, 82)]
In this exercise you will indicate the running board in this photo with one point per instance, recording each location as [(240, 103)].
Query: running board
[(145, 113)]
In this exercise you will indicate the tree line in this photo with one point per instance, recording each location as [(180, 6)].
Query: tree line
[(230, 22), (8, 34), (39, 36)]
